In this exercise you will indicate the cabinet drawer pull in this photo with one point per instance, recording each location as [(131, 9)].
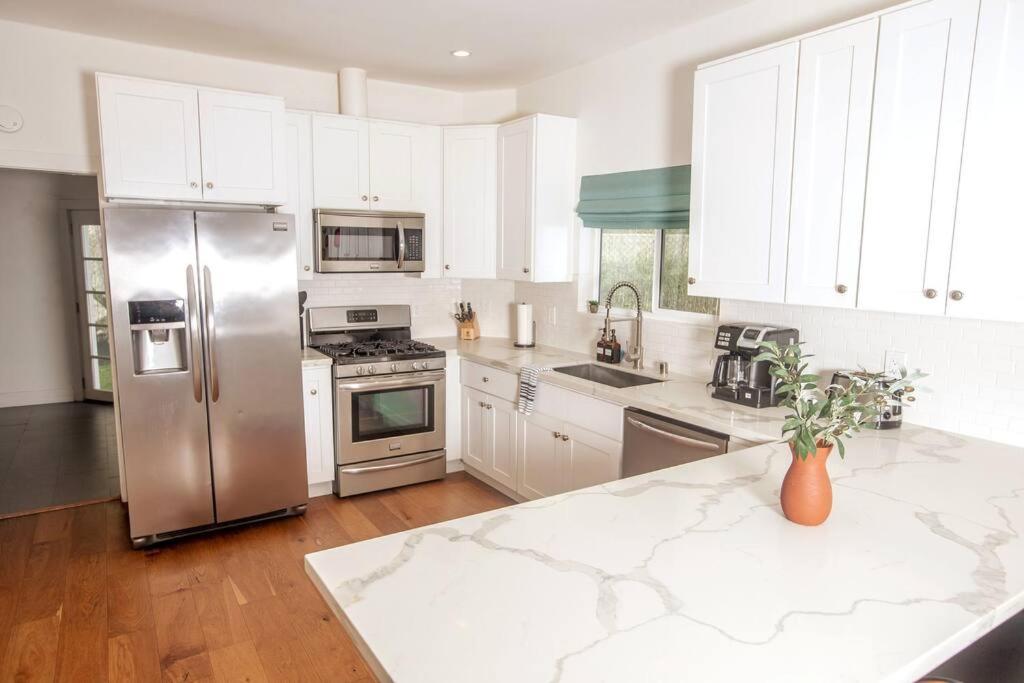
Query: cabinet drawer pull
[(526, 270), (482, 404), (364, 197), (691, 280), (565, 437), (956, 295), (930, 293), (193, 184), (558, 435), (305, 268), (313, 392), (489, 406), (842, 289), (485, 379), (209, 185), (376, 198)]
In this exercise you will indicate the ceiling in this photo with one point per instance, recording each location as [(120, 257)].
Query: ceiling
[(513, 41)]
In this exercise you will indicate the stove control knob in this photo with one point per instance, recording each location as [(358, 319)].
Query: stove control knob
[(416, 366), (372, 370), (394, 367), (360, 370), (426, 365)]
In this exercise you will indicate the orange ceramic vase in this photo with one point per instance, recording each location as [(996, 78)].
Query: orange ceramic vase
[(806, 490)]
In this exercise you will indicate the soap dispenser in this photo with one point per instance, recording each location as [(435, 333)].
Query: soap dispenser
[(602, 347), (616, 349)]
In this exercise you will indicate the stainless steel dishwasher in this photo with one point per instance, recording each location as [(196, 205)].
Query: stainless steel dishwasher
[(652, 442)]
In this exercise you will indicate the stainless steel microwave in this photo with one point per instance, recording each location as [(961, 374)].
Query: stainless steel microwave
[(368, 241)]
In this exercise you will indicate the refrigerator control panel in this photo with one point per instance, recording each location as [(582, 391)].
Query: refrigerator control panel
[(163, 311)]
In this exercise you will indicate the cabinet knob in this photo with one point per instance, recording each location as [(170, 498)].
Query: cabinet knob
[(842, 289), (447, 267), (365, 197), (930, 293), (482, 404), (488, 406), (565, 437), (526, 270), (558, 435), (305, 267), (486, 379), (956, 295), (313, 392), (376, 198), (691, 280), (209, 184), (193, 184)]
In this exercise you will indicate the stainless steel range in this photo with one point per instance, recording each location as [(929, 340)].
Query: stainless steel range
[(389, 397)]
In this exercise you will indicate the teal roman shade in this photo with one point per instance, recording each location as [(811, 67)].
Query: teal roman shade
[(655, 198)]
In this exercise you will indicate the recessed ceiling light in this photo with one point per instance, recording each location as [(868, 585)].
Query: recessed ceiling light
[(461, 53)]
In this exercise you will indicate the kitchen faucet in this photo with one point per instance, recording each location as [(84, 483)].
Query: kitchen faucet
[(634, 355)]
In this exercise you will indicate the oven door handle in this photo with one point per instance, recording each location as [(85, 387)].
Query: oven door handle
[(401, 244), (390, 466), (408, 380)]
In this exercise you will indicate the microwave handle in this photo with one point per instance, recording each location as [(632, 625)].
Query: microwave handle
[(401, 244)]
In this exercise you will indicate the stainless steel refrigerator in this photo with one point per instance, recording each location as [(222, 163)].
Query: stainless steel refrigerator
[(209, 377)]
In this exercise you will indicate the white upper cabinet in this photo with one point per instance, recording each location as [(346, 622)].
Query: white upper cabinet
[(393, 165), (149, 139), (242, 142), (921, 89), (165, 141), (470, 201), (298, 155), (989, 239), (743, 117), (833, 123), (536, 197), (341, 162)]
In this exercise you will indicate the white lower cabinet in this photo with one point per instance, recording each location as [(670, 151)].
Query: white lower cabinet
[(556, 456), (319, 417), (489, 435)]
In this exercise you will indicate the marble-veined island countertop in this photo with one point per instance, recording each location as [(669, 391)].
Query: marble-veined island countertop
[(692, 574)]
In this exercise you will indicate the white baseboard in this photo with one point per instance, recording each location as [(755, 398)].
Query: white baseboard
[(453, 466), (11, 399), (321, 488)]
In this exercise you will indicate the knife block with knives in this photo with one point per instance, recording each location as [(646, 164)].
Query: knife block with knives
[(469, 327)]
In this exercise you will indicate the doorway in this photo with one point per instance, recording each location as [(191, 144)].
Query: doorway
[(91, 304)]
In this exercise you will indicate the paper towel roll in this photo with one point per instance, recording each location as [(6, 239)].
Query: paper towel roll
[(524, 325)]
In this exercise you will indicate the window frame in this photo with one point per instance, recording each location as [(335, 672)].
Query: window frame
[(590, 283)]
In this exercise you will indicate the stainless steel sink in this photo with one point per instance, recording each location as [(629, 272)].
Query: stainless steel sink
[(607, 376)]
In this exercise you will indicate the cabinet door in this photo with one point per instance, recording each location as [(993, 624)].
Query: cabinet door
[(833, 121), (318, 415), (540, 456), (921, 88), (242, 147), (470, 204), (298, 159), (149, 139), (393, 166), (341, 162), (501, 420), (591, 458), (555, 186), (515, 200), (474, 438), (989, 240), (743, 114)]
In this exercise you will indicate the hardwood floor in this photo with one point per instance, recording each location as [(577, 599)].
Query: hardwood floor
[(78, 604)]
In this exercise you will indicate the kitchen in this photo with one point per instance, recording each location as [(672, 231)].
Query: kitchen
[(496, 169)]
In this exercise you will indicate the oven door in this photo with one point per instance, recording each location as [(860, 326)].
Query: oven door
[(368, 243), (389, 416)]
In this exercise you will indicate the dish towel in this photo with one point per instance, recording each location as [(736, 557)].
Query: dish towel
[(528, 378)]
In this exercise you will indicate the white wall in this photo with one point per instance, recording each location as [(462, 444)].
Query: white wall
[(39, 361), (48, 76), (634, 111)]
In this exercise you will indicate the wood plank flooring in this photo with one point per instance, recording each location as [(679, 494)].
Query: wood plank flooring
[(78, 604)]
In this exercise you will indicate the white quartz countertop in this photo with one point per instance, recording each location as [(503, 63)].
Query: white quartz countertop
[(692, 574), (682, 397), (312, 358)]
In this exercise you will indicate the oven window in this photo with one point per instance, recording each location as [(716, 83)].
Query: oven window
[(392, 412), (358, 244)]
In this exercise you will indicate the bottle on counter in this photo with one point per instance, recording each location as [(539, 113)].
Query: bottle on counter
[(616, 349), (603, 349)]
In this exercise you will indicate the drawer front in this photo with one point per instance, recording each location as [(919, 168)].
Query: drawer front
[(598, 416), (490, 381)]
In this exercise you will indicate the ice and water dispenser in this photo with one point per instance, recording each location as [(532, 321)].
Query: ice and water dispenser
[(158, 336)]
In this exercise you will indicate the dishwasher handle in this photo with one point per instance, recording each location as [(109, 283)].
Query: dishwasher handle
[(678, 438)]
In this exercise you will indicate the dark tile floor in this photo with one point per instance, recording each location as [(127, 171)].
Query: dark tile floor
[(56, 454)]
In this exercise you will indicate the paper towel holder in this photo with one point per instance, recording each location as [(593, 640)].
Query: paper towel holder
[(533, 336)]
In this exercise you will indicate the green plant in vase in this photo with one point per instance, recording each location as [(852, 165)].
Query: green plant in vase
[(821, 419)]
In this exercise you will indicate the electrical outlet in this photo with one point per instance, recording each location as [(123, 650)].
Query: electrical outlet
[(552, 315), (895, 362)]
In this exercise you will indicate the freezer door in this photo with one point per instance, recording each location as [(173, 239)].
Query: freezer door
[(151, 258), (249, 297)]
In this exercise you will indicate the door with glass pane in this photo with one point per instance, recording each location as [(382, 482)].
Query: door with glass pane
[(91, 289)]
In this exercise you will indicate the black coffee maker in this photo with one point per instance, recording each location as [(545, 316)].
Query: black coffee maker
[(737, 377)]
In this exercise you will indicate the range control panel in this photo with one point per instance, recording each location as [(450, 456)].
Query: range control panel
[(364, 315)]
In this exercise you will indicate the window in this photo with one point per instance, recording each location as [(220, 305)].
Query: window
[(656, 261)]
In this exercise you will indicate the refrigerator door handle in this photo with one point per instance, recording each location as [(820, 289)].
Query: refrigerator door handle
[(193, 333), (211, 335)]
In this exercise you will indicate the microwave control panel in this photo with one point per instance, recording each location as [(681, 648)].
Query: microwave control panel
[(413, 245)]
